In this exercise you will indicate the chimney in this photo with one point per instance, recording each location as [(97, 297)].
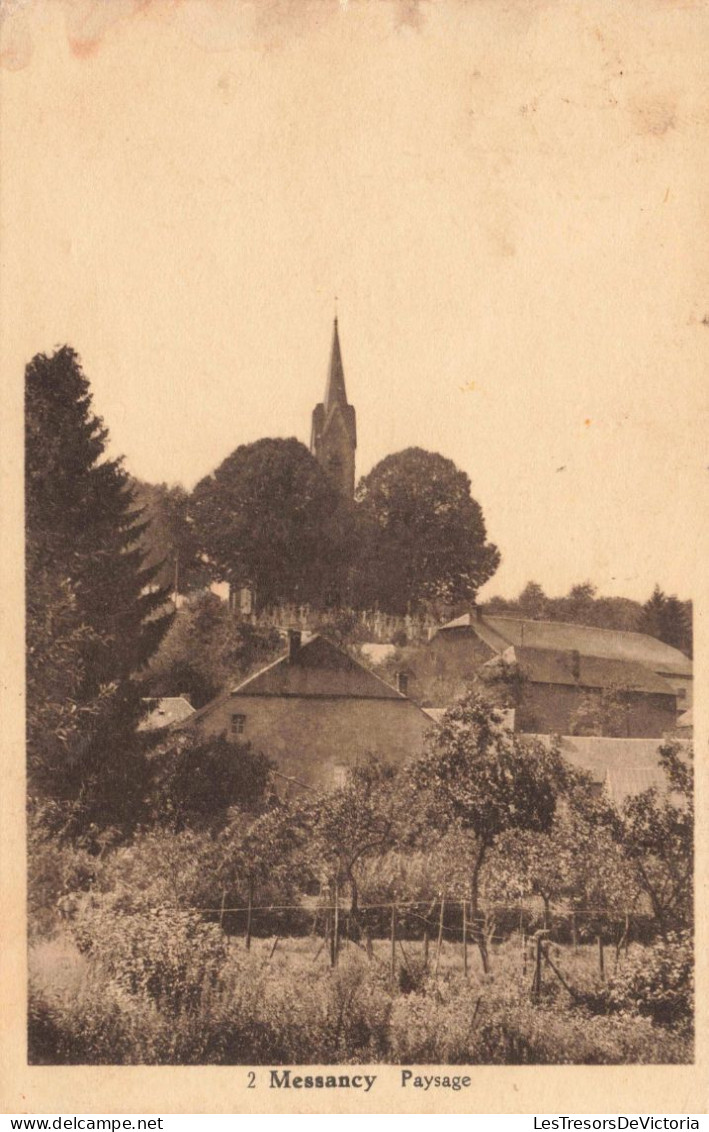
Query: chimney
[(294, 639), (576, 664)]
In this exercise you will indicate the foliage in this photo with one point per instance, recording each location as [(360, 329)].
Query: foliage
[(484, 779), (91, 622), (657, 981), (668, 619), (362, 819), (196, 779), (423, 537), (168, 541), (206, 649), (282, 1007), (164, 953), (657, 835), (269, 518), (603, 713)]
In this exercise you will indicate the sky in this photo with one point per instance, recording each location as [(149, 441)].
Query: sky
[(508, 200)]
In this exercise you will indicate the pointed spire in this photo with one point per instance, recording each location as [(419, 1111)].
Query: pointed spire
[(335, 393)]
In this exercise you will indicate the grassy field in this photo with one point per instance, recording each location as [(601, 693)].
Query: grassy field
[(282, 1003)]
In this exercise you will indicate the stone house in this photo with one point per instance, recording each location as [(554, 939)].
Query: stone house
[(316, 711)]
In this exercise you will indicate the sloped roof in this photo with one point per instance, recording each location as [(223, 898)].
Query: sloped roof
[(554, 666), (624, 766), (165, 712), (613, 644), (318, 668)]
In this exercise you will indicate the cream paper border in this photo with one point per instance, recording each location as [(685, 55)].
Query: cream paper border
[(82, 1090)]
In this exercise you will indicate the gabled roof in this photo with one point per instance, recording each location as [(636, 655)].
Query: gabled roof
[(318, 668), (165, 712), (613, 644), (554, 666)]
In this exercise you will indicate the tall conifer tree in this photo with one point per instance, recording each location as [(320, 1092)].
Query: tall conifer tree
[(93, 617)]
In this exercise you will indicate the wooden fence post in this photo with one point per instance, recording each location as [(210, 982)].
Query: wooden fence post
[(440, 935), (524, 954), (393, 941), (465, 940), (574, 932), (601, 963), (425, 948), (221, 910), (335, 929), (248, 914), (537, 980)]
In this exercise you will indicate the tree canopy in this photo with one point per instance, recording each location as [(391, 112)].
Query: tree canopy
[(423, 536), (269, 518)]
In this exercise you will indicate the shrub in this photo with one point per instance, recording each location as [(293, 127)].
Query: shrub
[(163, 953), (657, 981)]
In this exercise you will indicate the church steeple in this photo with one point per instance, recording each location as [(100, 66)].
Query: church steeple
[(335, 389), (334, 434)]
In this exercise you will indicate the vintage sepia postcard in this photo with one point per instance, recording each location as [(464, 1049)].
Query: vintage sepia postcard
[(354, 517)]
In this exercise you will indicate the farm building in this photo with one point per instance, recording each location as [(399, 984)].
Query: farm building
[(563, 666), (316, 711)]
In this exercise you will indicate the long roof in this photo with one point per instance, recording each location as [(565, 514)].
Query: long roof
[(555, 666), (613, 644)]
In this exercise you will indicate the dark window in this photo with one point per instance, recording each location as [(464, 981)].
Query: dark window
[(402, 682), (238, 723)]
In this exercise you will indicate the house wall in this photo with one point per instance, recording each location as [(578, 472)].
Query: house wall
[(683, 688), (313, 739), (550, 708), (445, 668)]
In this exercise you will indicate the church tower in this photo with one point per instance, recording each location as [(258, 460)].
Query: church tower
[(333, 439)]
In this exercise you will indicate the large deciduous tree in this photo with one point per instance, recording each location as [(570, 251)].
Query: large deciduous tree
[(484, 780), (423, 536), (93, 617), (269, 518)]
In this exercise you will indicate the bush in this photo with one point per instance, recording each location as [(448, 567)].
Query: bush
[(657, 981), (168, 955)]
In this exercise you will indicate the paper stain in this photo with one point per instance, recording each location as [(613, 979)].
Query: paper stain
[(214, 25), (655, 116)]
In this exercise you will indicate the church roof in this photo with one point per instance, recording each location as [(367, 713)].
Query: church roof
[(613, 644), (335, 393), (335, 404)]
